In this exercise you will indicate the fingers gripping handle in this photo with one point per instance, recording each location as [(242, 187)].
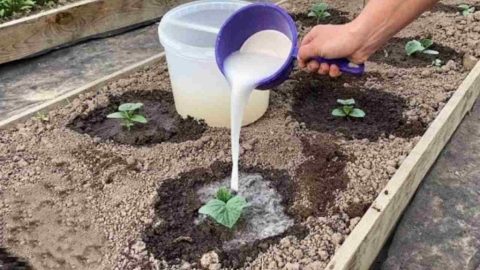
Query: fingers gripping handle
[(344, 65)]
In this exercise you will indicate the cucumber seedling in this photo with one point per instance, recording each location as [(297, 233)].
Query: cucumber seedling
[(348, 109), (319, 11), (466, 9), (420, 46), (225, 208), (127, 112)]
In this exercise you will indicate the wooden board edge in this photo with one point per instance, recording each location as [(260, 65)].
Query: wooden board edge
[(362, 246), (51, 32), (94, 85)]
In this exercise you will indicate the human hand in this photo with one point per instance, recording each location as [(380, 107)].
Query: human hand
[(331, 41)]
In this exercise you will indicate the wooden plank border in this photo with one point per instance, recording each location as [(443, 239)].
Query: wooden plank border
[(92, 86), (362, 246), (75, 22)]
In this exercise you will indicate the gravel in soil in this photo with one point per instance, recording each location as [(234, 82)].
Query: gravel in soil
[(74, 200)]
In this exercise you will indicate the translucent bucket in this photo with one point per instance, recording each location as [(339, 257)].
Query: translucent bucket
[(188, 33)]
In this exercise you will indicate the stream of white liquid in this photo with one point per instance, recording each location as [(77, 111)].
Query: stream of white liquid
[(261, 56)]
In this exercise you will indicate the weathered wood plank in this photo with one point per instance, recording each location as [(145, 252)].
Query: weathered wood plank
[(26, 36), (95, 85), (364, 243)]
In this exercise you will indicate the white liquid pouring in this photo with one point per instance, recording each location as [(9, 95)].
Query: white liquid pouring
[(261, 56)]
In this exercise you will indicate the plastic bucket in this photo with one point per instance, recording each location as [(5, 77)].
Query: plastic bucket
[(188, 33)]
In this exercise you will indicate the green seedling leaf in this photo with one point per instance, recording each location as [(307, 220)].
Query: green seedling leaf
[(223, 194), (339, 113), (349, 101), (320, 7), (357, 113), (117, 115), (326, 14), (426, 43), (130, 107), (139, 119), (466, 9), (413, 46), (312, 14), (431, 52), (226, 214)]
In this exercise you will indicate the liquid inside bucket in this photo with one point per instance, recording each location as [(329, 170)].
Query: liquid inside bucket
[(200, 90)]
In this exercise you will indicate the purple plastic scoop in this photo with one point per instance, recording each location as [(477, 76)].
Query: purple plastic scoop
[(259, 17)]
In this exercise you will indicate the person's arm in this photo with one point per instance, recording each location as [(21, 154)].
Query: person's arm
[(359, 39)]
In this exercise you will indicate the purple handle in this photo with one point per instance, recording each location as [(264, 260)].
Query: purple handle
[(344, 65)]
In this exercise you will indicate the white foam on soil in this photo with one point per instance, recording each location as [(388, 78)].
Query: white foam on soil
[(265, 215)]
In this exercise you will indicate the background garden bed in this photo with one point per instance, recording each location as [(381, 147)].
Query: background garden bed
[(69, 181), (75, 22)]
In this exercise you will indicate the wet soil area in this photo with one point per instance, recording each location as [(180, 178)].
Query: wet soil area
[(315, 99), (394, 54), (304, 21), (174, 236), (164, 123)]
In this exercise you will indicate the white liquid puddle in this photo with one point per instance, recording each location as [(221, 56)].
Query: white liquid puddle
[(260, 57)]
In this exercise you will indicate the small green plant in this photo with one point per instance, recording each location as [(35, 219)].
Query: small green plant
[(11, 7), (466, 9), (225, 208), (348, 109), (127, 112), (319, 11), (437, 63), (420, 46), (42, 116)]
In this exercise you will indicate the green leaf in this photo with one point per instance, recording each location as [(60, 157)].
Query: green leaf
[(426, 43), (226, 214), (413, 46), (357, 113), (431, 52), (347, 109), (139, 119), (320, 6), (223, 194), (463, 6), (126, 107), (312, 14), (117, 115), (326, 14), (338, 113), (349, 101)]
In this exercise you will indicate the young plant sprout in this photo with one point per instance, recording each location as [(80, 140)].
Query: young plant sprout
[(319, 11), (42, 116), (348, 109), (466, 9), (127, 113), (420, 46), (225, 209), (437, 62)]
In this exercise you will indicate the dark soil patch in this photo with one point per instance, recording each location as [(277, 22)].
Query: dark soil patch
[(321, 175), (175, 237), (394, 54), (337, 17), (441, 7), (11, 262), (164, 123), (315, 98)]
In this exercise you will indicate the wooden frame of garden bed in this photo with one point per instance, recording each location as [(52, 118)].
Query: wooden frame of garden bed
[(364, 243), (75, 22)]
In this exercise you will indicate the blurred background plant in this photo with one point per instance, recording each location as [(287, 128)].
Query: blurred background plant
[(10, 8)]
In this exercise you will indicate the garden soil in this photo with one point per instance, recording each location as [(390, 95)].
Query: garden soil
[(74, 196)]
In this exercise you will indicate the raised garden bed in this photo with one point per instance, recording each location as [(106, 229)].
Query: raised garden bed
[(73, 197), (75, 22)]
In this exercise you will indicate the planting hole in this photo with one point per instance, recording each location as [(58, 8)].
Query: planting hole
[(316, 98), (164, 124)]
